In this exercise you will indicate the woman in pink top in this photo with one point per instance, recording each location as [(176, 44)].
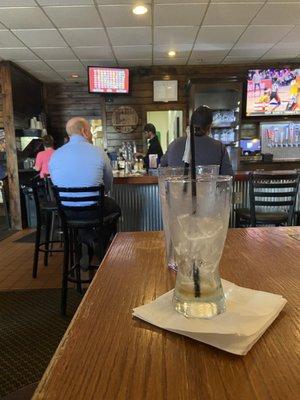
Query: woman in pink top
[(43, 157)]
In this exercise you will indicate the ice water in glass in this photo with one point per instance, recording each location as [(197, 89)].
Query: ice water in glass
[(167, 172), (198, 231)]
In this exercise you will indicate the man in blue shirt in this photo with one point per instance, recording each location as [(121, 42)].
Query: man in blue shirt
[(80, 164)]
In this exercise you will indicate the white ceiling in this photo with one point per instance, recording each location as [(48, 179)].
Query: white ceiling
[(53, 39)]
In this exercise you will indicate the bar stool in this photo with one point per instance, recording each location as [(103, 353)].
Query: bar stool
[(46, 209), (272, 199), (77, 220)]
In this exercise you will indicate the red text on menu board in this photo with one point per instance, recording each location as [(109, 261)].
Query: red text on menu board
[(108, 80)]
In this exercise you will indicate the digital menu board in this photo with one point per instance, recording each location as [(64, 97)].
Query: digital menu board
[(273, 92), (108, 80)]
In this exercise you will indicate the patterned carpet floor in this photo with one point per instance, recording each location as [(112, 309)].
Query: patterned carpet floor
[(31, 328)]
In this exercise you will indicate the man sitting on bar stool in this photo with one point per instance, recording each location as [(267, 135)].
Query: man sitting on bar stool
[(80, 164)]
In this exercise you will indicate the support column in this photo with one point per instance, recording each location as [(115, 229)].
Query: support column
[(11, 150)]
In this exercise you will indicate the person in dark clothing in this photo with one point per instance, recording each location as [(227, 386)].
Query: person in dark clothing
[(154, 145), (208, 150)]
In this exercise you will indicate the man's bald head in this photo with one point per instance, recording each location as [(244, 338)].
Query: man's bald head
[(79, 126)]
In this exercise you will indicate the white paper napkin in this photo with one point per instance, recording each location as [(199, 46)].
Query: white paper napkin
[(248, 314)]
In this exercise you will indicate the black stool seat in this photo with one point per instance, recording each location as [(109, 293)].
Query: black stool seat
[(279, 217), (48, 206)]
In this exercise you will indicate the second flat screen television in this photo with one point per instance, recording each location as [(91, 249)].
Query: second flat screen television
[(273, 92), (108, 80)]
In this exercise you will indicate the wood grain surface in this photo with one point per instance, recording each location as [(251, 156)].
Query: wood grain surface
[(106, 354)]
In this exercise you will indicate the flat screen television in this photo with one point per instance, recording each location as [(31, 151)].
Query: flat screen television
[(250, 146), (108, 80), (273, 92)]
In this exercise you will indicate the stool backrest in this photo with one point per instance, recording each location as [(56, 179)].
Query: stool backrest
[(79, 201), (40, 194), (273, 189)]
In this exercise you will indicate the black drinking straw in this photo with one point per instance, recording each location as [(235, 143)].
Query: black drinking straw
[(193, 167), (196, 274)]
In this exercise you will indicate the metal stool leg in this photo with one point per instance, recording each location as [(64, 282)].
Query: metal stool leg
[(47, 238), (64, 288), (53, 216), (36, 250)]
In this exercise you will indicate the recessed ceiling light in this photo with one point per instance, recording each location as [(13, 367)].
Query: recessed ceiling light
[(74, 76), (140, 10), (172, 53)]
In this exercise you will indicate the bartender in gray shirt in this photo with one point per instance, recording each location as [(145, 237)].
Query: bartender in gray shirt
[(208, 150)]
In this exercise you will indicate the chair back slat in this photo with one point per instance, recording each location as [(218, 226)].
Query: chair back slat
[(68, 200), (79, 199), (275, 194), (274, 203), (273, 190), (278, 185)]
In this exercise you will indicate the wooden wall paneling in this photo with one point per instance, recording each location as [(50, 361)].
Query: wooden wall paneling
[(11, 151), (67, 100)]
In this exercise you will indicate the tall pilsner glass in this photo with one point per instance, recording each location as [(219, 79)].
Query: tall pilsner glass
[(168, 172), (198, 228)]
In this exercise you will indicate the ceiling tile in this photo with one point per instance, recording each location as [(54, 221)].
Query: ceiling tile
[(182, 51), (122, 15), (67, 73), (174, 35), (135, 63), (94, 52), (178, 1), (253, 50), (47, 76), (278, 13), (231, 14), (24, 18), (293, 35), (130, 36), (7, 39), (99, 63), (283, 50), (239, 60), (17, 3), (61, 65), (176, 15), (64, 2), (203, 54), (133, 52), (34, 65), (114, 2), (263, 34), (18, 54), (237, 1), (206, 60), (74, 17), (54, 53), (218, 37), (40, 37), (85, 36), (170, 61)]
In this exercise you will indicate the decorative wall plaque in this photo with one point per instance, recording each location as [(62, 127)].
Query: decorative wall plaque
[(125, 119)]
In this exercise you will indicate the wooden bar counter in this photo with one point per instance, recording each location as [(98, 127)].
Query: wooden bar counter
[(106, 354)]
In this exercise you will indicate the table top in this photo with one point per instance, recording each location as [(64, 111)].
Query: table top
[(106, 354)]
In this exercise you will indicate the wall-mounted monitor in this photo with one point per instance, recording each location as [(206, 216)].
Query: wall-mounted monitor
[(108, 80), (273, 92), (250, 146)]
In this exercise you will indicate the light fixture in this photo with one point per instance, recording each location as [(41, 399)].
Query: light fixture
[(140, 10), (74, 76), (172, 53)]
